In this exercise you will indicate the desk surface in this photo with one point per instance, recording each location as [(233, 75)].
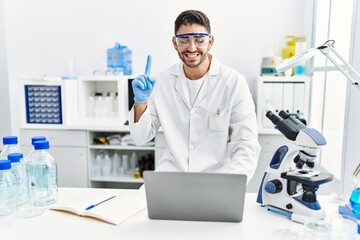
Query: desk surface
[(257, 224)]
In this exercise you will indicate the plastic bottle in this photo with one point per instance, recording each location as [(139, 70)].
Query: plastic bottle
[(119, 59), (42, 173), (90, 106), (116, 164), (8, 189), (106, 165), (10, 146), (125, 163), (96, 167), (289, 50), (115, 58), (133, 161), (127, 61), (300, 46)]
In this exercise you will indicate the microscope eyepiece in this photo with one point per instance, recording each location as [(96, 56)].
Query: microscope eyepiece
[(284, 114), (274, 119)]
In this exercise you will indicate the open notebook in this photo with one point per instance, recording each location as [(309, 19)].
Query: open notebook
[(114, 208)]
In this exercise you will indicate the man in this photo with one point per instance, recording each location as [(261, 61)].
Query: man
[(204, 107)]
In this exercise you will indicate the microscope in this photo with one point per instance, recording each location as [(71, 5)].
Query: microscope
[(291, 180)]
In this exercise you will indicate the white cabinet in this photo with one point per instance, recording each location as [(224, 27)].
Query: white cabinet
[(69, 149), (117, 175), (75, 152), (103, 100), (290, 94)]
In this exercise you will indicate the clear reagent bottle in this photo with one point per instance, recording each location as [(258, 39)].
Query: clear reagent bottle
[(43, 177)]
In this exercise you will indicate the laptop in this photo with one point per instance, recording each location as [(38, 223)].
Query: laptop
[(195, 196)]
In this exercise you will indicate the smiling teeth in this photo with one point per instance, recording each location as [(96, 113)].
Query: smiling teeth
[(192, 55)]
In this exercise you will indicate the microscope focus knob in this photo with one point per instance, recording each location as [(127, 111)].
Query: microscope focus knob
[(273, 186)]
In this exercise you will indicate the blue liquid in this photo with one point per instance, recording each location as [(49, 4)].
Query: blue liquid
[(300, 70), (355, 202)]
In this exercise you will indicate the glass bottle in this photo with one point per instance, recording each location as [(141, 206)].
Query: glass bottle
[(10, 146), (17, 169), (355, 195), (42, 175), (33, 140), (8, 189)]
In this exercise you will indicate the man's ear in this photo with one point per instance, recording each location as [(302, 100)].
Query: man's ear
[(174, 43), (211, 42)]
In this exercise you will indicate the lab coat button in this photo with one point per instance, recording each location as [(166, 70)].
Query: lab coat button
[(191, 147)]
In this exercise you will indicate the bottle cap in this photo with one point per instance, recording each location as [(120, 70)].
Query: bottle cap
[(10, 140), (15, 157), (37, 138), (5, 164), (40, 145)]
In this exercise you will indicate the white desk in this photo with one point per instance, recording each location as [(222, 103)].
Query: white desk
[(257, 224)]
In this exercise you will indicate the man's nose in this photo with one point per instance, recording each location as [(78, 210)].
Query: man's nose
[(192, 45)]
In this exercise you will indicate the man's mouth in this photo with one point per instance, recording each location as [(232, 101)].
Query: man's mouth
[(191, 55)]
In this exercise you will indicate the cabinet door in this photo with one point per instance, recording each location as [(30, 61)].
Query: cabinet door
[(72, 166)]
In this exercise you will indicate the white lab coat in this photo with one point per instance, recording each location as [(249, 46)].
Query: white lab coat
[(228, 144)]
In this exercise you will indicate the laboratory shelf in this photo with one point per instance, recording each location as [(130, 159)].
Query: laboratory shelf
[(117, 147), (125, 179)]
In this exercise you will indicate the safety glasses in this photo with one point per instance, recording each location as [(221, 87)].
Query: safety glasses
[(199, 39)]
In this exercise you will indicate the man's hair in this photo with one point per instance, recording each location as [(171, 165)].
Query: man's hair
[(191, 17)]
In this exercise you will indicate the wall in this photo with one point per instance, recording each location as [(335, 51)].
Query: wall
[(5, 128), (42, 34), (352, 131)]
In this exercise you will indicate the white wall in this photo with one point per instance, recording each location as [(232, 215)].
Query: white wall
[(5, 127), (42, 34), (352, 131)]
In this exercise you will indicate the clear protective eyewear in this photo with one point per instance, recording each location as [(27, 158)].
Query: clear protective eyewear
[(199, 39)]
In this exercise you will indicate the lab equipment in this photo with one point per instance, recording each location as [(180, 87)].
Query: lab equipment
[(116, 164), (106, 166), (119, 59), (125, 163), (143, 84), (268, 65), (90, 106), (33, 140), (289, 50), (355, 195), (199, 39), (291, 180), (354, 77), (42, 175), (49, 101), (18, 170), (8, 189), (10, 146), (300, 46), (327, 49), (96, 167), (352, 211)]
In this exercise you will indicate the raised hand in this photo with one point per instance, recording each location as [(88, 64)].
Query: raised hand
[(143, 84)]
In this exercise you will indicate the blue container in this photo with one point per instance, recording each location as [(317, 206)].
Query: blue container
[(120, 58)]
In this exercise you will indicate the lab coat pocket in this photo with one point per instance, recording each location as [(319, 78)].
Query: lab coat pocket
[(218, 123)]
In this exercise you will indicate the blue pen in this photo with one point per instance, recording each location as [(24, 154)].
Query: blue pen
[(92, 206)]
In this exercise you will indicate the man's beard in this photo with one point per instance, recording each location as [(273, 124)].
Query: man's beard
[(193, 64)]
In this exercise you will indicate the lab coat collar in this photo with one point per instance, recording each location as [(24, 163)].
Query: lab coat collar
[(181, 83)]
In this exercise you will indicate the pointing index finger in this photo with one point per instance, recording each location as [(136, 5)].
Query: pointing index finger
[(148, 65)]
